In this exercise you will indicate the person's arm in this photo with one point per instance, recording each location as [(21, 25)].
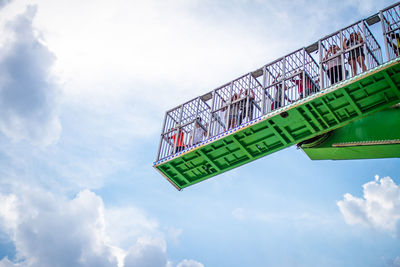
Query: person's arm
[(344, 43), (204, 132), (360, 37), (327, 53)]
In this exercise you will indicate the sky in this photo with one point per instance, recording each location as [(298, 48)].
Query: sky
[(84, 86)]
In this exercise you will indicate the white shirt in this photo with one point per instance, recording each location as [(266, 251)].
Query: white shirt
[(335, 60), (197, 135)]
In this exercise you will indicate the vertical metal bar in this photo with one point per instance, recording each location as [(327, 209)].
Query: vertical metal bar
[(247, 106), (229, 103), (214, 95), (303, 73), (384, 35), (263, 90), (175, 140), (198, 106), (283, 82), (369, 66), (194, 121), (162, 135), (180, 116), (342, 56), (321, 69), (178, 130)]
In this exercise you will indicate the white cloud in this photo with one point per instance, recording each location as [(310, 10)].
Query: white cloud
[(147, 253), (28, 91), (379, 207), (141, 57), (126, 63), (7, 263), (4, 2), (49, 230), (190, 263), (8, 215), (128, 224)]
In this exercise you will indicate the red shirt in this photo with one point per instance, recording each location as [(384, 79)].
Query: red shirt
[(180, 139), (299, 83)]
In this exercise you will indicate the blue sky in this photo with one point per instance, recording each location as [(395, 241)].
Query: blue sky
[(83, 90)]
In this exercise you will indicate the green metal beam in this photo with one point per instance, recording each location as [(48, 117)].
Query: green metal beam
[(319, 115), (394, 88), (351, 101), (178, 173), (207, 158), (276, 133), (375, 136), (313, 119), (330, 110), (234, 138)]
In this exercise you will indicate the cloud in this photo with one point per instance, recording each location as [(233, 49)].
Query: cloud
[(378, 208), (7, 263), (190, 263), (28, 91), (49, 230), (4, 3), (124, 225), (147, 253)]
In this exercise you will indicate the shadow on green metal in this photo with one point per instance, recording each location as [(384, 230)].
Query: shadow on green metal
[(375, 136)]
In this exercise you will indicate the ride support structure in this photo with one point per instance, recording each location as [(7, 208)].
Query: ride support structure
[(331, 98)]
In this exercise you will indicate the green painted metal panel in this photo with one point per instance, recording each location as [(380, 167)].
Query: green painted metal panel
[(375, 136), (322, 112)]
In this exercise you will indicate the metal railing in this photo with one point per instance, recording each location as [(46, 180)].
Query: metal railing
[(289, 79), (342, 55), (348, 52), (390, 18)]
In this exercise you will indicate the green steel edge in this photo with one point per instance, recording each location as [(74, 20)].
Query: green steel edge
[(322, 112), (375, 136)]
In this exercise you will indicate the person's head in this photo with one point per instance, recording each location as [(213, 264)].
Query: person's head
[(353, 36), (198, 121), (300, 72)]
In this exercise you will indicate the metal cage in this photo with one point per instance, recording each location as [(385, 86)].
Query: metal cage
[(180, 124), (390, 19), (341, 55), (235, 103), (289, 79), (348, 52)]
